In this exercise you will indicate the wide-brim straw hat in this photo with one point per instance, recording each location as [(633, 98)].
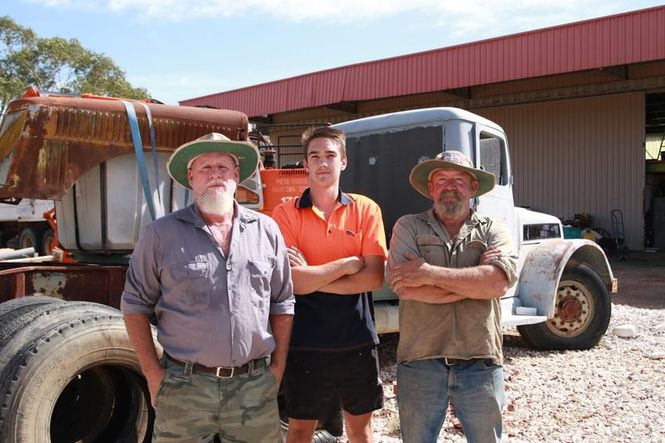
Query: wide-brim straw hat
[(421, 173), (246, 156)]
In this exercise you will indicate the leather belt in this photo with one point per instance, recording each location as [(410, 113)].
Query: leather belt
[(222, 371), (458, 361)]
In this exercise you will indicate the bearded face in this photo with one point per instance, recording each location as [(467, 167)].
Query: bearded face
[(213, 178), (451, 190), (215, 201), (450, 204)]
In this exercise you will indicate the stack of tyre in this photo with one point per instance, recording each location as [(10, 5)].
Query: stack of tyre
[(69, 373)]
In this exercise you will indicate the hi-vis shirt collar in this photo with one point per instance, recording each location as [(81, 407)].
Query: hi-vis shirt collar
[(305, 200)]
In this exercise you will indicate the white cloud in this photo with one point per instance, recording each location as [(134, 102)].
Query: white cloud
[(170, 88), (468, 14)]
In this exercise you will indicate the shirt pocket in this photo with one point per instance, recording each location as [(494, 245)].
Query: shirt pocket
[(191, 284), (260, 274), (432, 249), (471, 250)]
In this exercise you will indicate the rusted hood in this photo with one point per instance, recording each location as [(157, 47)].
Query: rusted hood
[(47, 143)]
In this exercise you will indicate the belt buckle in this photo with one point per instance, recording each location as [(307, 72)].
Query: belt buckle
[(222, 368)]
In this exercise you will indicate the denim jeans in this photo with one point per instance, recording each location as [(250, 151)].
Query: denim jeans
[(424, 388)]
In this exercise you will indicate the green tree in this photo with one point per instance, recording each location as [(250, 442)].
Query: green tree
[(55, 64)]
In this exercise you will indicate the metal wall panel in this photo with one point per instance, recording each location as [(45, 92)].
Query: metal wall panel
[(575, 156)]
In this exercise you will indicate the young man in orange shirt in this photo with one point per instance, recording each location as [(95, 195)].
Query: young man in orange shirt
[(337, 248)]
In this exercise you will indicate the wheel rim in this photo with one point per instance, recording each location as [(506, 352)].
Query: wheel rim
[(26, 242), (574, 309), (48, 240)]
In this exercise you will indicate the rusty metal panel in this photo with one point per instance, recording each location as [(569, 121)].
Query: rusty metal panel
[(632, 37), (100, 284), (583, 155), (47, 143)]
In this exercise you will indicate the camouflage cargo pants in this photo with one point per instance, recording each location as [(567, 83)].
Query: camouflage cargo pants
[(193, 407)]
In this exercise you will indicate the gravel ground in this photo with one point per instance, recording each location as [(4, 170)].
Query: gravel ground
[(612, 393)]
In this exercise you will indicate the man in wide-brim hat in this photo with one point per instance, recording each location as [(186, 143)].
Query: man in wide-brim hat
[(421, 174), (217, 278), (449, 266), (244, 155)]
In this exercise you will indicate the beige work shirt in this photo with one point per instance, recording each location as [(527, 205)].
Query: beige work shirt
[(465, 329)]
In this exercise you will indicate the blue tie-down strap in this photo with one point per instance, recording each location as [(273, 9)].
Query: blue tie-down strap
[(140, 158), (153, 144)]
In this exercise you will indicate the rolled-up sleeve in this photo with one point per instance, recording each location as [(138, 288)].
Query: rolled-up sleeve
[(374, 234), (403, 241), (282, 300), (501, 239), (142, 287)]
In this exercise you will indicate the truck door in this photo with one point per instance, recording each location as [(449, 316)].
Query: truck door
[(492, 156)]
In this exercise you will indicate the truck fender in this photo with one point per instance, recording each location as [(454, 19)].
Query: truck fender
[(544, 265)]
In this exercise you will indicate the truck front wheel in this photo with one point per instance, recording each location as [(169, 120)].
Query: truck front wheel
[(582, 313)]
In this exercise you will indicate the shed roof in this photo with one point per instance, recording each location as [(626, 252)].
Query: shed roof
[(632, 37)]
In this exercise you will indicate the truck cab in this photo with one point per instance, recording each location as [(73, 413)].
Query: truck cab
[(561, 300), (24, 222)]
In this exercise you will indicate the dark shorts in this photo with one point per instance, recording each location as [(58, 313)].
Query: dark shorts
[(317, 384)]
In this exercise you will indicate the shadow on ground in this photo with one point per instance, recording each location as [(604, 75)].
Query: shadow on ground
[(641, 280)]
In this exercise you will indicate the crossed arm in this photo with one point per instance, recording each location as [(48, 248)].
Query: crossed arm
[(348, 275), (417, 280)]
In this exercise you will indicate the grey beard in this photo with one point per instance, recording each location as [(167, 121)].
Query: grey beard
[(452, 209), (213, 203)]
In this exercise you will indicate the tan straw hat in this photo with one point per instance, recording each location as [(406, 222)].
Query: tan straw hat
[(421, 173)]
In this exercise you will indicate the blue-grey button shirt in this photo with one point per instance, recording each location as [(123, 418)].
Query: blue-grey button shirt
[(211, 309)]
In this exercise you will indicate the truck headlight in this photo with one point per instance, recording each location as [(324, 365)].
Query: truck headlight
[(541, 231)]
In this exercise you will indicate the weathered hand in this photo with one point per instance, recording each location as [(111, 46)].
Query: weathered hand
[(296, 257), (412, 272), (277, 371), (490, 256), (154, 380)]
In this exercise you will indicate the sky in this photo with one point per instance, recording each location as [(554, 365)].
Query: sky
[(181, 49)]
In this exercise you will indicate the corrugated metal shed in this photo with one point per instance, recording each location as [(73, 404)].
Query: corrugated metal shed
[(621, 39), (582, 155)]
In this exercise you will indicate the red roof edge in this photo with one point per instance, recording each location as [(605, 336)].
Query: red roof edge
[(350, 82)]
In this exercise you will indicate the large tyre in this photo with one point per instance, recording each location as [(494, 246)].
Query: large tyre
[(582, 315), (16, 303), (76, 380), (48, 238), (24, 319), (30, 238)]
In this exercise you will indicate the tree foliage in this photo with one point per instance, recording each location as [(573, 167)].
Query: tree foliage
[(57, 65)]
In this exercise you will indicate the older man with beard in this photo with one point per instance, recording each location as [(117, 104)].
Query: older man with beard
[(449, 267), (216, 278)]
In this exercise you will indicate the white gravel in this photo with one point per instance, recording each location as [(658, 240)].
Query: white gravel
[(612, 393)]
